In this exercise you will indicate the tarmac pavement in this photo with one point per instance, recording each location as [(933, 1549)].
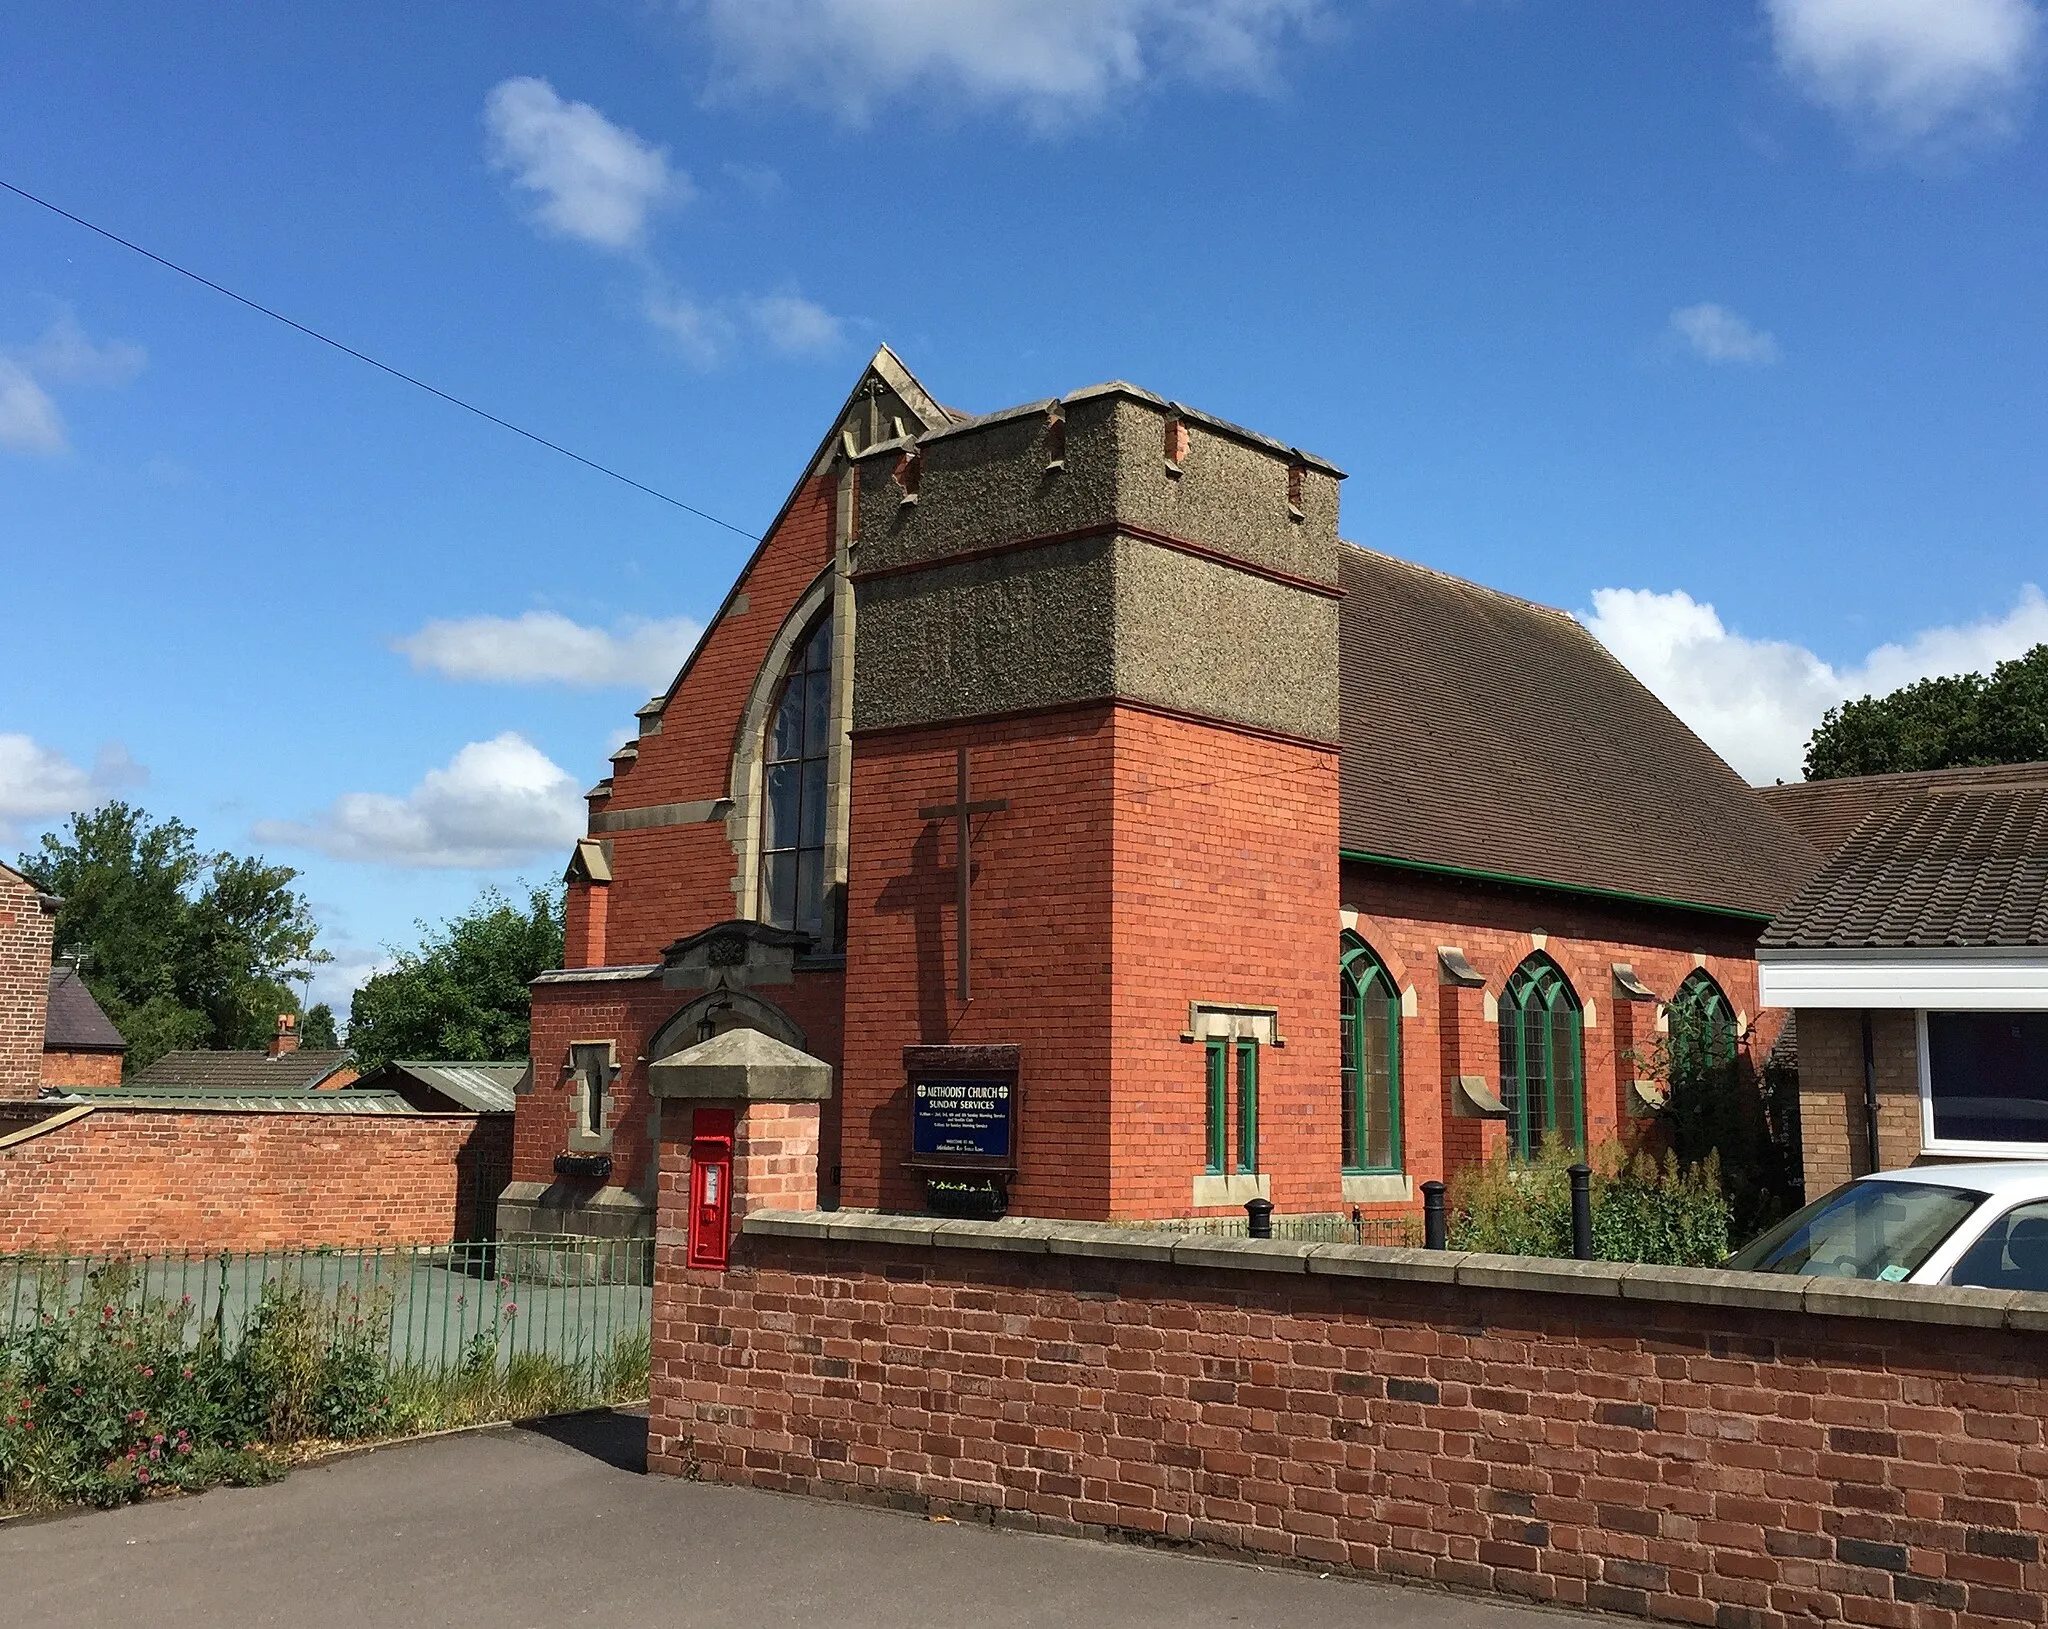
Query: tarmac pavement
[(551, 1525)]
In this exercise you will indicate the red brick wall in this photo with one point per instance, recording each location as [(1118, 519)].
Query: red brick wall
[(1737, 1468), (142, 1179), (668, 881), (1042, 911), (628, 1013), (585, 909), (1406, 916), (81, 1068), (1144, 862), (1226, 888), (26, 933)]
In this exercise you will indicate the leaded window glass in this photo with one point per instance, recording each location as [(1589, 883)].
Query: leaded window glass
[(1370, 1012), (794, 790), (1542, 1066), (1701, 1039)]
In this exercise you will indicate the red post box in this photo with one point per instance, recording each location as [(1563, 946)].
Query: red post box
[(711, 1136)]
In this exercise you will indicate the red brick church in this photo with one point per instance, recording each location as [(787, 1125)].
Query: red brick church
[(1130, 846)]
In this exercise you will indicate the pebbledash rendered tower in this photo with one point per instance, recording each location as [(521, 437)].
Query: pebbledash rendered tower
[(1096, 654)]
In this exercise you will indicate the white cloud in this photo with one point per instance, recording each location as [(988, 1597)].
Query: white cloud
[(65, 355), (1904, 72), (1755, 701), (350, 965), (705, 333), (38, 783), (544, 647), (793, 325), (30, 421), (1720, 335), (591, 179), (496, 803), (1047, 59), (701, 333)]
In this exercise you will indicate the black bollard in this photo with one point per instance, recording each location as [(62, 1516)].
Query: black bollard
[(1582, 1212), (1436, 1221), (1259, 1214)]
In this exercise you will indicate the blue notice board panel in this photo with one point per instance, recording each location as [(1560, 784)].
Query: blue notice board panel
[(964, 1119)]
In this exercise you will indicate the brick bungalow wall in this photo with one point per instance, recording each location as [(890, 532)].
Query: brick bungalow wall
[(26, 934), (145, 1179), (1702, 1447), (1834, 1129)]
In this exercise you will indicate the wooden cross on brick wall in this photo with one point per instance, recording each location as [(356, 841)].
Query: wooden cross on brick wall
[(962, 811)]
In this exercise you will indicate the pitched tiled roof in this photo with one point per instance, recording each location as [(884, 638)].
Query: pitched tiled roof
[(1962, 869), (75, 1022), (1826, 812), (242, 1071), (1485, 733)]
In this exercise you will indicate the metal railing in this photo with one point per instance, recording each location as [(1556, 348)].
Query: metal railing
[(1334, 1228), (428, 1306)]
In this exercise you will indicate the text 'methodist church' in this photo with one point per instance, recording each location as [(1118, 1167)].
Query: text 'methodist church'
[(1291, 870)]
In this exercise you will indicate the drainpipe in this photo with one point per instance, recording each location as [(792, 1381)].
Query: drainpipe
[(1870, 1094)]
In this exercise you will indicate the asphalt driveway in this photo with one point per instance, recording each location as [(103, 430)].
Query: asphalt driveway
[(536, 1528)]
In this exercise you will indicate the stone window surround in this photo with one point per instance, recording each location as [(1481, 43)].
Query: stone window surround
[(829, 592), (599, 1140)]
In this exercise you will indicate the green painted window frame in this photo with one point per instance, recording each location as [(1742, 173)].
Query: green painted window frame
[(1219, 1107), (1367, 995), (1247, 1106), (1700, 1009), (1539, 1006)]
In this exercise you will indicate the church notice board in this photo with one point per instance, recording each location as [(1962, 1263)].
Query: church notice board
[(963, 1126)]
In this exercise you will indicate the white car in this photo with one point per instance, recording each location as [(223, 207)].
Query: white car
[(1980, 1224)]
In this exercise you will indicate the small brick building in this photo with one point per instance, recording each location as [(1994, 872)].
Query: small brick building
[(1917, 964), (1291, 868)]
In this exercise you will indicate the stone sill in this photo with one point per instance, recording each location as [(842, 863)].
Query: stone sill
[(1697, 1286)]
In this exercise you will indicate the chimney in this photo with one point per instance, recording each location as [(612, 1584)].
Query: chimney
[(287, 1037)]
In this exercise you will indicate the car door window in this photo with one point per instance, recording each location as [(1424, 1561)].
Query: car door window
[(2012, 1254)]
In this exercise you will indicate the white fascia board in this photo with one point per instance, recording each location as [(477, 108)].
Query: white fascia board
[(1938, 983)]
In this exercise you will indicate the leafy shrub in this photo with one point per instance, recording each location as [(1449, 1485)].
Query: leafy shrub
[(1644, 1208)]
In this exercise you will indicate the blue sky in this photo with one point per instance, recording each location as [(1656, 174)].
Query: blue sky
[(1717, 323)]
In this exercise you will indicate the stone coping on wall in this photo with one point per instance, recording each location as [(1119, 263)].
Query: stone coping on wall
[(2017, 1310)]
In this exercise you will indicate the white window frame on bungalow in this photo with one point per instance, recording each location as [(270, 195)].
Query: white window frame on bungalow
[(2002, 979), (1930, 1143)]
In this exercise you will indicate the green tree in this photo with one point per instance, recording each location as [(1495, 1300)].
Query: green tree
[(182, 948), (317, 1032), (1941, 723), (461, 996)]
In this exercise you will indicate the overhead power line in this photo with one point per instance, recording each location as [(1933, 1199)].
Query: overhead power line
[(381, 367)]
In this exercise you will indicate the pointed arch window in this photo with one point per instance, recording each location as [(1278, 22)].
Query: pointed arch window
[(1542, 1058), (795, 789), (1370, 1012), (1702, 1041)]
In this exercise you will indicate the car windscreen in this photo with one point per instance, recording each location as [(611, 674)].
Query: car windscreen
[(1878, 1230)]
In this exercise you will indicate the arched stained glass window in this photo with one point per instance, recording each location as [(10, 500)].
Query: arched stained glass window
[(794, 790), (1701, 1025), (1542, 1063), (1370, 1009)]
